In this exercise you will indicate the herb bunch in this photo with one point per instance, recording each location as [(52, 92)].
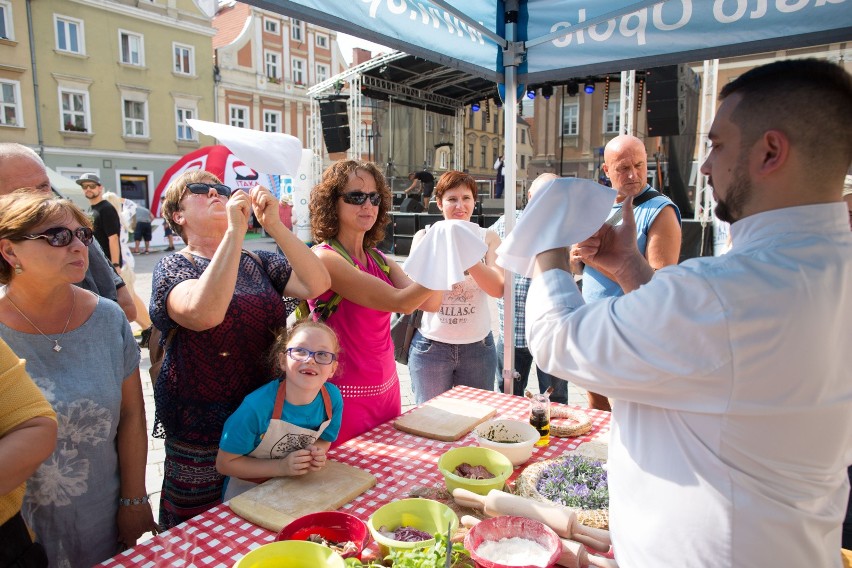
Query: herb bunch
[(577, 482), (429, 557)]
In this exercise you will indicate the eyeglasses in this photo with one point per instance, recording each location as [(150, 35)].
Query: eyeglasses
[(203, 188), (302, 354), (359, 197), (62, 236)]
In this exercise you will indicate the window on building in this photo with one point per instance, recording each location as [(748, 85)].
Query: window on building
[(132, 48), (296, 30), (271, 121), (238, 115), (273, 65), (10, 103), (297, 69), (483, 157), (445, 158), (7, 26), (484, 118), (570, 119), (428, 121), (470, 155), (322, 72), (69, 34), (523, 162), (322, 41), (612, 117), (271, 26), (75, 110), (135, 119), (443, 124), (523, 136), (430, 157), (184, 130), (470, 115), (184, 59)]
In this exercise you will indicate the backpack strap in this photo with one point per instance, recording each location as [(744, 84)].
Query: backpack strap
[(647, 196)]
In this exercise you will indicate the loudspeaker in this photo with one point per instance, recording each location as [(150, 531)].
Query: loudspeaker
[(335, 125), (671, 95)]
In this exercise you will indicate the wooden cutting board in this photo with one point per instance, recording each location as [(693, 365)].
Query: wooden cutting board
[(446, 419), (277, 502)]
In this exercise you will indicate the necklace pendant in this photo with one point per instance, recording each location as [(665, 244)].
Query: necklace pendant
[(56, 346)]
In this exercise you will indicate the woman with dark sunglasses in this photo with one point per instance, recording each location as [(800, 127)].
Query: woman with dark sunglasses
[(224, 305), (88, 499), (349, 210)]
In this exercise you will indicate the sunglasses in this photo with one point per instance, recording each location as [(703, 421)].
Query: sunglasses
[(204, 188), (359, 197), (62, 236), (302, 354)]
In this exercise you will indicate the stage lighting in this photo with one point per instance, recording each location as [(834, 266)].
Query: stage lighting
[(572, 88), (475, 106), (589, 87), (531, 94), (547, 91)]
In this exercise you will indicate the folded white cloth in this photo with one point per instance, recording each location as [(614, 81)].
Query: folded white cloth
[(271, 153), (446, 250), (563, 212)]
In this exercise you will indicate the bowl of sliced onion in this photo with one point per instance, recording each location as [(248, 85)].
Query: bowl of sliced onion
[(410, 523)]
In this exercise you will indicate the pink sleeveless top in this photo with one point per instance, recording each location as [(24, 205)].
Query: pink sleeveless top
[(366, 374)]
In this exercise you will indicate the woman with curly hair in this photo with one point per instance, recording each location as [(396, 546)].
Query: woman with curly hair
[(349, 212)]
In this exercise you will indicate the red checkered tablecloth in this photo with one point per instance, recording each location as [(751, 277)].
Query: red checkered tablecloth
[(400, 462)]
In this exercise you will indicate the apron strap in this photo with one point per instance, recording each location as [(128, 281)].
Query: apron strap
[(326, 399), (279, 400)]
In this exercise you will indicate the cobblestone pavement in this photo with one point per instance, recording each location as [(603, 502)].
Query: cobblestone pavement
[(156, 453)]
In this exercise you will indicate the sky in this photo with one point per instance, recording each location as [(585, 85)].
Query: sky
[(348, 42)]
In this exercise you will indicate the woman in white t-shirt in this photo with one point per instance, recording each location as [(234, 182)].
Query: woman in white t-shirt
[(454, 346)]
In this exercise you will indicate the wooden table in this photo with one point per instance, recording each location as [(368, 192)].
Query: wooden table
[(400, 462)]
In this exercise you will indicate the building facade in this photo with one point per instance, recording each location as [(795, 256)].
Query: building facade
[(108, 85)]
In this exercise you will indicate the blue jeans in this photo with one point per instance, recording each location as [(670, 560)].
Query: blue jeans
[(523, 364), (437, 367)]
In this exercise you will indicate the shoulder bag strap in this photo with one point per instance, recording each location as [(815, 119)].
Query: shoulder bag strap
[(647, 196)]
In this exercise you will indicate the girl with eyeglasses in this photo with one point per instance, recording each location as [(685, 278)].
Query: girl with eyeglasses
[(88, 500), (285, 427), (223, 304), (349, 210)]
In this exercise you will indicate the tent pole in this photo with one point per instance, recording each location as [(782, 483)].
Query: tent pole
[(511, 60)]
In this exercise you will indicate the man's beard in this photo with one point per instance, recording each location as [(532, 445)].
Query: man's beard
[(730, 209)]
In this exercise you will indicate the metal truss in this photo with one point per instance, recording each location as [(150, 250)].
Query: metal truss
[(704, 202)]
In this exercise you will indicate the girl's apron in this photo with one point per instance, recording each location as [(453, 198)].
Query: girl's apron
[(280, 439)]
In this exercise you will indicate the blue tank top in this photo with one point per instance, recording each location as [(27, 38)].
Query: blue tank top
[(596, 286)]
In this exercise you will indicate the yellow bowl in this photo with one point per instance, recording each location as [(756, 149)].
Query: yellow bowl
[(291, 554), (494, 461), (422, 514)]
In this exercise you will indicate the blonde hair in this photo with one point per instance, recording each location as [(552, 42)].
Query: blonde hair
[(284, 336), (174, 193)]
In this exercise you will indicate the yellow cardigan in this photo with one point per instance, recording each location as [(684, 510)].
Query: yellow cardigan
[(20, 400)]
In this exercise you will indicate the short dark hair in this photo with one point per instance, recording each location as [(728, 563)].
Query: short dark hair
[(452, 179), (810, 100)]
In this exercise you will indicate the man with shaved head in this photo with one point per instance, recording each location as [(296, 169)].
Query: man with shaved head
[(658, 233), (21, 167)]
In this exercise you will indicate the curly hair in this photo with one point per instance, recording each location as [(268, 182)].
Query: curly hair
[(283, 337), (23, 210), (454, 178), (325, 223), (174, 194)]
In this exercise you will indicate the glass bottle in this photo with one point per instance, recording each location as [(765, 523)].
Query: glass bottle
[(540, 417)]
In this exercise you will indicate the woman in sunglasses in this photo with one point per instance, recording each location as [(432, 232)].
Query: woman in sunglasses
[(455, 346), (349, 213), (223, 304), (88, 500)]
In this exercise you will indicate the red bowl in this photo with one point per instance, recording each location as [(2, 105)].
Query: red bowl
[(507, 526), (334, 526)]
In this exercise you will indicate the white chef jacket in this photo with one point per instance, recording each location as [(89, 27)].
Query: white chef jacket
[(732, 424)]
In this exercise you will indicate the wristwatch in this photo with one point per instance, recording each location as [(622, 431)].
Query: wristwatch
[(124, 502)]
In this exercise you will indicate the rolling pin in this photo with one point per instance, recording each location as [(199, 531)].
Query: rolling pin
[(573, 555), (563, 521)]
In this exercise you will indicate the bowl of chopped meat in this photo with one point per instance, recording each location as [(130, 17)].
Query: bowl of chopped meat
[(474, 468), (345, 534), (410, 523)]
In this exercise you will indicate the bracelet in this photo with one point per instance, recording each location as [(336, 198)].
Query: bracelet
[(124, 502)]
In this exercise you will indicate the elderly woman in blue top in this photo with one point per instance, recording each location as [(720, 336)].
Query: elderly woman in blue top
[(658, 233)]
